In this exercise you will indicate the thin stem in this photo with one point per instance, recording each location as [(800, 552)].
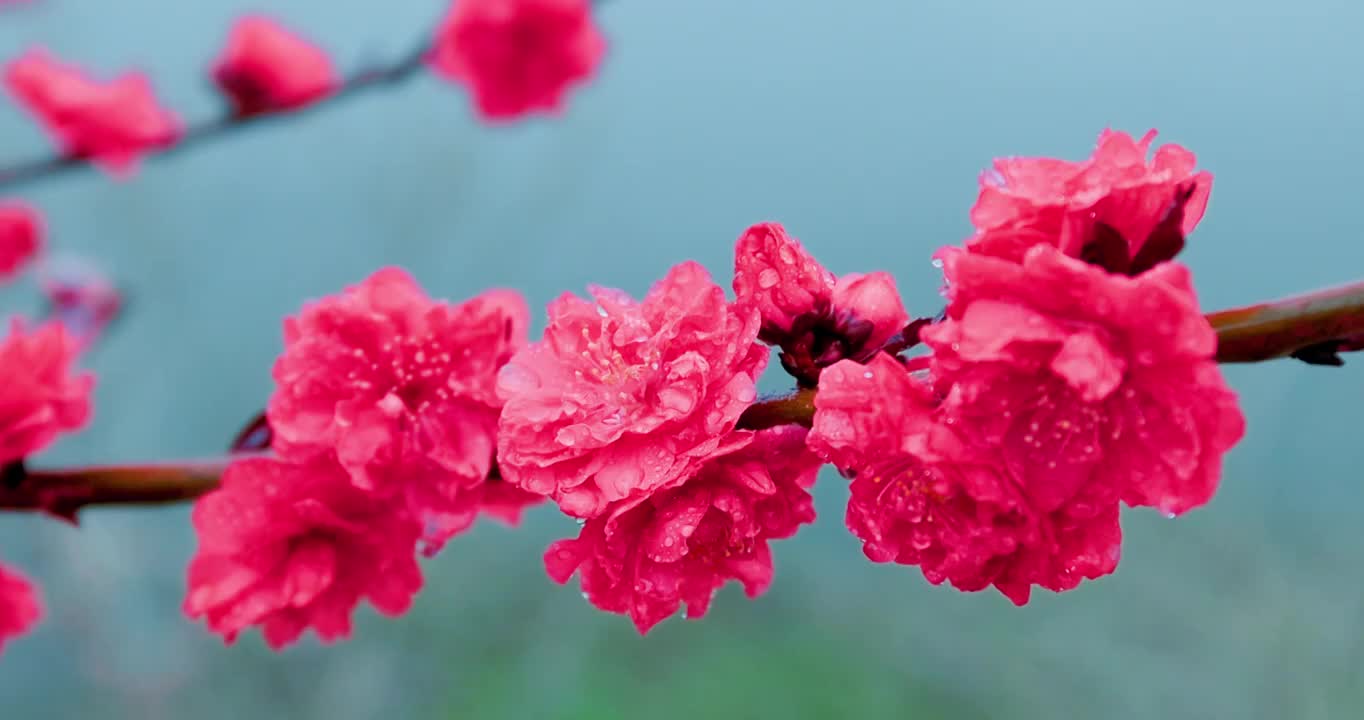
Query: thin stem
[(385, 75), (63, 492)]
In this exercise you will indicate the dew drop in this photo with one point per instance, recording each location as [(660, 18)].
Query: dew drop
[(768, 278)]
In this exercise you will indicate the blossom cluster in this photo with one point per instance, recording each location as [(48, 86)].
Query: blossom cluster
[(516, 57), (384, 425), (990, 444), (42, 397), (1071, 372), (385, 421)]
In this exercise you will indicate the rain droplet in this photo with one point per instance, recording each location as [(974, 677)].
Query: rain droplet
[(937, 262), (768, 278)]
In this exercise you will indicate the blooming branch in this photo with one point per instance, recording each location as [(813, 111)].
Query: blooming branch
[(384, 75), (1254, 333), (515, 59), (1070, 373)]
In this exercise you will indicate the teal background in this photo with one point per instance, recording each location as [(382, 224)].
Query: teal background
[(862, 126)]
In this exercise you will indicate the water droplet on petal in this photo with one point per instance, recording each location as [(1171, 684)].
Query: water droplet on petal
[(768, 278)]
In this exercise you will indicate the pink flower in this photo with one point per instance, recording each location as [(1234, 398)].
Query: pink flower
[(518, 56), (111, 123), (651, 554), (21, 605), (923, 494), (40, 396), (289, 547), (266, 68), (402, 390), (622, 398), (1115, 209), (1080, 377), (817, 319), (21, 237)]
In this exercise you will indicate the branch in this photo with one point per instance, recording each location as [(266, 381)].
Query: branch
[(385, 75), (1291, 326), (64, 492), (1278, 329)]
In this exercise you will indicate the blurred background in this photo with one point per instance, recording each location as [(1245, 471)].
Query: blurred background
[(862, 126)]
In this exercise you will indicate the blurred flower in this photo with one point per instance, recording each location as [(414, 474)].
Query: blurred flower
[(20, 605), (289, 547), (518, 56), (40, 397), (265, 68), (815, 318), (80, 296), (1081, 377), (922, 494), (649, 555), (622, 398), (21, 237), (1107, 209), (111, 123), (401, 389)]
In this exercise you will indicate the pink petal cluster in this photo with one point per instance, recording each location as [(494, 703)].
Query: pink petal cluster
[(816, 318), (1079, 376), (518, 56), (1072, 205), (40, 395), (112, 123), (20, 605), (290, 546), (401, 390), (622, 399), (925, 493), (266, 68), (648, 555), (383, 426), (1072, 371), (21, 237)]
